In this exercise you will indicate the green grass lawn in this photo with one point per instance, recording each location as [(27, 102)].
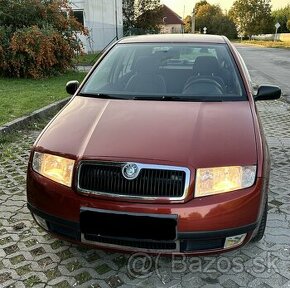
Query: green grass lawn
[(268, 44), (87, 59), (20, 97)]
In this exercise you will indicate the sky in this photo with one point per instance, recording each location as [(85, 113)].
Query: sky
[(178, 5)]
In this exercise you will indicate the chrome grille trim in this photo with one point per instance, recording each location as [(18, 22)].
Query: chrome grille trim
[(140, 166)]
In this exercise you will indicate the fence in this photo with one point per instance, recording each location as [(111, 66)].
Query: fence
[(285, 37)]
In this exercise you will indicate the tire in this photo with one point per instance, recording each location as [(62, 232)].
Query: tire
[(262, 226)]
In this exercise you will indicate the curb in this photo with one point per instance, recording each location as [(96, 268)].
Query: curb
[(40, 113), (84, 68)]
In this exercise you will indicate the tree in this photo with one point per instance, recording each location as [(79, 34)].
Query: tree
[(149, 20), (288, 24), (141, 14), (252, 17), (128, 15), (282, 16), (204, 17), (187, 24), (143, 6), (37, 37), (225, 26), (212, 17), (199, 4)]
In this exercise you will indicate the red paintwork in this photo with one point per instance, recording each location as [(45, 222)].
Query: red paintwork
[(224, 211), (192, 135)]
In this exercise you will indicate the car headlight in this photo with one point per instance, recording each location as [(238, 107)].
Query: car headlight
[(211, 181), (56, 168)]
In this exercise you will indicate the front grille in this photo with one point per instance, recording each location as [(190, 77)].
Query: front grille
[(153, 180)]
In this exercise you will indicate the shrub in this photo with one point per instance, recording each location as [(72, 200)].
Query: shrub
[(38, 38)]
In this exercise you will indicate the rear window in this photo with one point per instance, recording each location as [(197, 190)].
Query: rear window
[(178, 71)]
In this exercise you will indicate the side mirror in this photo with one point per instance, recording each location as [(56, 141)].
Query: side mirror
[(72, 86), (267, 92)]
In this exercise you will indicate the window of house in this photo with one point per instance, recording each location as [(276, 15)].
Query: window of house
[(79, 15)]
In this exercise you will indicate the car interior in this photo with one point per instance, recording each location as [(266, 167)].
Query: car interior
[(170, 70)]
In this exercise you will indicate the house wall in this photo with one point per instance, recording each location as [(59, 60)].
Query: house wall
[(171, 28), (100, 17)]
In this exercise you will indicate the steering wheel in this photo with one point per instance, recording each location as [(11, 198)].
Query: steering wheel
[(204, 87)]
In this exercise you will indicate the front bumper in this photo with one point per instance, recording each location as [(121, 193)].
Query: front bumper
[(202, 225), (198, 242)]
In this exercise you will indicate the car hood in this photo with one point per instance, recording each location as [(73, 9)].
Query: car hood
[(191, 134)]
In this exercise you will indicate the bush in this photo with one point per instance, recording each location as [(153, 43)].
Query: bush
[(40, 45)]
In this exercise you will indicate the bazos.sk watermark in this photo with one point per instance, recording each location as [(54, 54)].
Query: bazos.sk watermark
[(142, 265)]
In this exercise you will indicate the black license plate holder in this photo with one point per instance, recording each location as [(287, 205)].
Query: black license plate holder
[(121, 225)]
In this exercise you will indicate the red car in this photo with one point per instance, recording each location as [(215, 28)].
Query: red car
[(159, 150)]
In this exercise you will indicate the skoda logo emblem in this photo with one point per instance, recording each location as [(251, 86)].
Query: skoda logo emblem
[(130, 171)]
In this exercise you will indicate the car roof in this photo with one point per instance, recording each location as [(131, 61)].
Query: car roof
[(174, 38)]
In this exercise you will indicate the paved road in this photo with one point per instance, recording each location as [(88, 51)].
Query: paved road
[(31, 258), (268, 65)]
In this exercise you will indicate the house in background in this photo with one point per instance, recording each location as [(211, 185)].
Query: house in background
[(103, 19), (172, 23)]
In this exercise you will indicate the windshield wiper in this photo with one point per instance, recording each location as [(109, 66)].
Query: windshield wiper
[(103, 96), (184, 98), (159, 98)]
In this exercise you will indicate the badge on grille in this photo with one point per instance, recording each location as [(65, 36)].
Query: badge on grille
[(130, 171)]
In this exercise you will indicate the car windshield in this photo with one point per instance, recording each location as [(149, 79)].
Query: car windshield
[(166, 71)]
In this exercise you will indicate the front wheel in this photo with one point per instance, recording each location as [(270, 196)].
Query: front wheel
[(262, 225)]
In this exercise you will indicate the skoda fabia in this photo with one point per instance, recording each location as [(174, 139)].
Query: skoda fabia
[(160, 150)]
